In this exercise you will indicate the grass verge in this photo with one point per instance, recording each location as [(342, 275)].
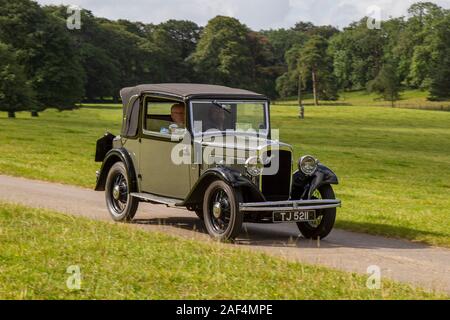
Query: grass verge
[(120, 262)]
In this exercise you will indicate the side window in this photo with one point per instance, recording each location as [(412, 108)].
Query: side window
[(165, 117)]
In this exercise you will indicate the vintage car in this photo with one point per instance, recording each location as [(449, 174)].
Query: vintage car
[(210, 149)]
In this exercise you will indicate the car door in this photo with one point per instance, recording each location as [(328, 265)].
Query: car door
[(159, 173)]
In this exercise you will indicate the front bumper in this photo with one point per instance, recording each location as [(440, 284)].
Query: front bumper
[(287, 206)]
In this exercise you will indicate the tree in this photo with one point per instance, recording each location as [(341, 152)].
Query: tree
[(183, 33), (423, 48), (174, 41), (45, 49), (231, 54), (358, 54), (314, 61), (265, 70), (100, 67), (420, 68), (424, 12), (393, 30), (282, 40), (287, 84), (386, 84), (16, 93), (121, 53), (130, 55), (310, 61), (137, 28), (440, 61), (310, 30), (222, 55), (412, 47), (342, 69), (114, 54)]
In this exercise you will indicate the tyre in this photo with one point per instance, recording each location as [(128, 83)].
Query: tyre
[(324, 223), (121, 205), (221, 214)]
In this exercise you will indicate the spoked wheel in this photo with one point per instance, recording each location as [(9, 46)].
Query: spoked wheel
[(322, 226), (121, 205), (221, 211)]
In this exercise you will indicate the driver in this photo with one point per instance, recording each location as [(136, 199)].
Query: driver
[(177, 114)]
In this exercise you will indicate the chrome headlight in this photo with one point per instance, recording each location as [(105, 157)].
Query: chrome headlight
[(254, 166), (308, 165)]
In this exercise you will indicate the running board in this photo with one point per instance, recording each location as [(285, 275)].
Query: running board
[(171, 202)]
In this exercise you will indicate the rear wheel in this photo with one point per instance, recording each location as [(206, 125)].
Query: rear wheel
[(322, 226), (221, 211), (121, 205)]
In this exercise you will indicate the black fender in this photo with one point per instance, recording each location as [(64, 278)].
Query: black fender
[(232, 177), (303, 186), (113, 156)]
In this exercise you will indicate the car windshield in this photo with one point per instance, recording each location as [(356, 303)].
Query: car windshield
[(240, 116)]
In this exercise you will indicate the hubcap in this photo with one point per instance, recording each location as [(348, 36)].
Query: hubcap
[(116, 192), (119, 194), (217, 210)]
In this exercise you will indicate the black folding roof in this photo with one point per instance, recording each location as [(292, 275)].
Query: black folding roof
[(179, 91), (188, 91)]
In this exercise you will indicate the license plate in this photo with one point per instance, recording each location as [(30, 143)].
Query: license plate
[(294, 216)]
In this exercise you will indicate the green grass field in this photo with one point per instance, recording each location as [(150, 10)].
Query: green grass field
[(410, 99), (121, 262), (393, 164)]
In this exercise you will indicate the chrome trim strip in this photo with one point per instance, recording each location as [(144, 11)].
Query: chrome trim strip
[(295, 205), (287, 209), (291, 202)]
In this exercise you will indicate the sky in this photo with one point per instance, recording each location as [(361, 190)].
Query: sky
[(257, 14)]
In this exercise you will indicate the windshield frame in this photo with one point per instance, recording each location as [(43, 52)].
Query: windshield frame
[(259, 133)]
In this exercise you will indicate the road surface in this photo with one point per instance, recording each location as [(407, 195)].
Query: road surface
[(414, 263)]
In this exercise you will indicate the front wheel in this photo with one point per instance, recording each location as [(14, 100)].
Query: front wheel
[(221, 214), (121, 205), (322, 226)]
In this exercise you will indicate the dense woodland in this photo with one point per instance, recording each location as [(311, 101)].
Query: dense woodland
[(44, 64)]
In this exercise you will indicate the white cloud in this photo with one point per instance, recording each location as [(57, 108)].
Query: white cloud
[(257, 14)]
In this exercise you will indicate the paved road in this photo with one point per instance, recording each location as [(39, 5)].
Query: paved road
[(418, 264)]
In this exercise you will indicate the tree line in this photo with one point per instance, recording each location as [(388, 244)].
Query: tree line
[(44, 64)]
